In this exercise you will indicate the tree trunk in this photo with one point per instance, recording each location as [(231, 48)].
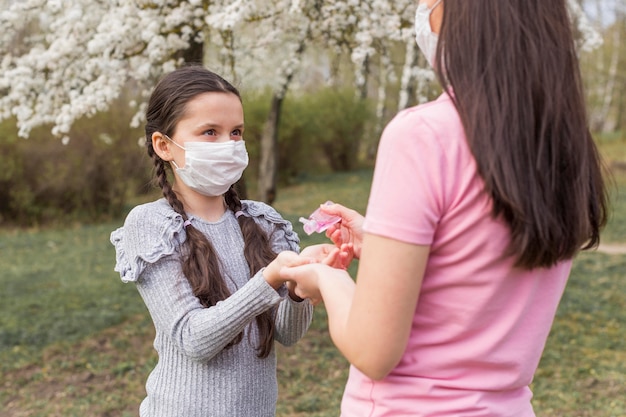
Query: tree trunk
[(386, 66), (608, 125), (408, 87), (363, 77), (386, 69), (194, 54), (268, 165)]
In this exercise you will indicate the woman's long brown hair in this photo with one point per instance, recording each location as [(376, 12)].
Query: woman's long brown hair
[(512, 70), (200, 263)]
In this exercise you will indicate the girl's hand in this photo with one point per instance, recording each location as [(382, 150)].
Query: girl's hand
[(337, 257), (271, 273), (349, 230)]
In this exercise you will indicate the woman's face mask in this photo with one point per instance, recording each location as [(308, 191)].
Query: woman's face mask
[(212, 167), (424, 36)]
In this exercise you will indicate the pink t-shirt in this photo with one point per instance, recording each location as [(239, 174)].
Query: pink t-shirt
[(480, 324)]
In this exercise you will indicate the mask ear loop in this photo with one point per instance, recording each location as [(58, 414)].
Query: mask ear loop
[(435, 5), (172, 140)]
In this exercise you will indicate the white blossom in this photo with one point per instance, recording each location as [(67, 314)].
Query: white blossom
[(591, 38), (65, 59)]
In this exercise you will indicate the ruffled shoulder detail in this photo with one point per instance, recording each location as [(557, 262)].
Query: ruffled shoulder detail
[(282, 235), (150, 232)]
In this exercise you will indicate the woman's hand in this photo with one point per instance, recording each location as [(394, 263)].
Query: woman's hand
[(311, 278), (349, 230), (331, 255)]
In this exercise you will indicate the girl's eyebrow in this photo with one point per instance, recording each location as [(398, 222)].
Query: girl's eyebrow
[(217, 125)]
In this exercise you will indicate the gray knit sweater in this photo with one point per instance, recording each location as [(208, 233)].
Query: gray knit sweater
[(195, 376)]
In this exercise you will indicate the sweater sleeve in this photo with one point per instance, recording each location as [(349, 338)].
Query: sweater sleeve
[(147, 252), (280, 231), (199, 332), (293, 320)]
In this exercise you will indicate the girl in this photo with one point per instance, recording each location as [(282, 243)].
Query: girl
[(460, 274), (198, 255)]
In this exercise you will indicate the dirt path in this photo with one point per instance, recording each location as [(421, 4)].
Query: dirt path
[(612, 248)]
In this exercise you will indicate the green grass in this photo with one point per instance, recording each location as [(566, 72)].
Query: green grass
[(583, 368), (612, 146), (616, 229), (613, 149), (57, 286), (75, 341)]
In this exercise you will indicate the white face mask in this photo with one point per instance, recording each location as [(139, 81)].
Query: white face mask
[(424, 36), (212, 167)]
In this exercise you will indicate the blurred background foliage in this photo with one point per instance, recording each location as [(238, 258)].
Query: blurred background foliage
[(322, 129), (105, 164)]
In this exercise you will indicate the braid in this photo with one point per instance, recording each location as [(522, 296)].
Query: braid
[(200, 260), (258, 252), (168, 192)]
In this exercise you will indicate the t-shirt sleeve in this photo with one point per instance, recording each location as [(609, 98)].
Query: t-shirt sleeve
[(407, 198)]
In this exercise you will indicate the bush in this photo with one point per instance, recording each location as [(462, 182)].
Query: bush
[(344, 121), (94, 175), (89, 179), (318, 132)]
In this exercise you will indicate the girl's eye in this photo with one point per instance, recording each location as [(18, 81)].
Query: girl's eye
[(236, 132), (210, 132)]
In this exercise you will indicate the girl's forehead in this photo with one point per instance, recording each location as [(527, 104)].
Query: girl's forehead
[(213, 100), (213, 108)]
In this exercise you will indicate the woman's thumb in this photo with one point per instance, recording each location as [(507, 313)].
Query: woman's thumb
[(334, 209)]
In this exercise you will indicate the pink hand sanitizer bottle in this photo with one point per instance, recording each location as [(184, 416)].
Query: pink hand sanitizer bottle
[(318, 221)]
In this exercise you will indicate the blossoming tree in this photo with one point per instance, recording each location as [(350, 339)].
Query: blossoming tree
[(66, 59)]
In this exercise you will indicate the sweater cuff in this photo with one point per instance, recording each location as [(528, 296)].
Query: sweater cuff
[(274, 296)]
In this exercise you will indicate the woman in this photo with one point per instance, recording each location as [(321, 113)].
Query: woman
[(479, 202)]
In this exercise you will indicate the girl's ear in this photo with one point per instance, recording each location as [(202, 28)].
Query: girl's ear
[(161, 146)]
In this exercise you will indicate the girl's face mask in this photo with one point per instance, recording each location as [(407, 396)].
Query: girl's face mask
[(212, 167), (424, 36)]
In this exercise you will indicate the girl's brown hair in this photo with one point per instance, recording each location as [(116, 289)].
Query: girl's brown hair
[(200, 263), (512, 70)]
